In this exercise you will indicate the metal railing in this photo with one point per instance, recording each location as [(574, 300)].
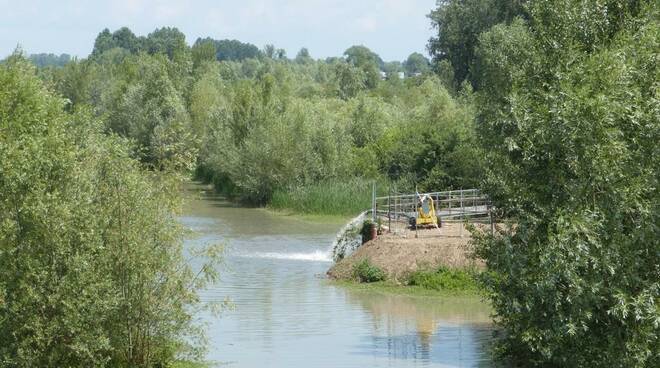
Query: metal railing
[(450, 206)]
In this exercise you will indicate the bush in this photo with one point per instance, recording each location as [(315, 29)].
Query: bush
[(365, 271), (367, 225), (444, 279)]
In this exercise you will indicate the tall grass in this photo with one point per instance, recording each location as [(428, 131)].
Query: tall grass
[(444, 278), (326, 198)]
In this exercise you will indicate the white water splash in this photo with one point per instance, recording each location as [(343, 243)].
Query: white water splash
[(348, 238), (316, 256)]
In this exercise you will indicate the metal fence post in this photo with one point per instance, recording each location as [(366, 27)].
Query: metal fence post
[(373, 201), (462, 213), (389, 210), (492, 223)]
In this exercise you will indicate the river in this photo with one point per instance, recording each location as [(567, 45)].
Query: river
[(285, 314)]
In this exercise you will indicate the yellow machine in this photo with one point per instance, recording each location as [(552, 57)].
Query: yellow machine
[(426, 212)]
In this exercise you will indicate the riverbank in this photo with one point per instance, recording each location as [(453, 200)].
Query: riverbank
[(399, 256), (436, 262), (393, 288)]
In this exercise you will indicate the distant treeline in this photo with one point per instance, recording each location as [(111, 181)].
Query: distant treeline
[(254, 121), (166, 40), (44, 60)]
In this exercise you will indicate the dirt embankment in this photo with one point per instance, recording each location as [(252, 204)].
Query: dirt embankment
[(400, 255)]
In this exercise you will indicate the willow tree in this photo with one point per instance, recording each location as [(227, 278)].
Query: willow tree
[(569, 114), (91, 264)]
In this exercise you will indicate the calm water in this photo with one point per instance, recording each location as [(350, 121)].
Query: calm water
[(286, 315)]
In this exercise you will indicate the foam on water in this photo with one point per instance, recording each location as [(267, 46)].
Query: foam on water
[(316, 256), (347, 240)]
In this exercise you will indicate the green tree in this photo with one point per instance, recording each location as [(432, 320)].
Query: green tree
[(367, 61), (203, 52), (435, 145), (150, 110), (569, 115), (233, 50), (416, 64), (349, 80), (168, 41), (126, 39), (303, 56), (122, 38), (280, 54), (459, 23), (393, 70), (45, 60), (103, 42), (269, 51), (91, 263)]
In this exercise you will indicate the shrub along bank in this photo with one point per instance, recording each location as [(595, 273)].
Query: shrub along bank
[(442, 279)]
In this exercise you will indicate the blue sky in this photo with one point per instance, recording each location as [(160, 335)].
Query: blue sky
[(391, 28)]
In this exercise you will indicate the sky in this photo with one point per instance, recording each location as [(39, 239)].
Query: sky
[(391, 28)]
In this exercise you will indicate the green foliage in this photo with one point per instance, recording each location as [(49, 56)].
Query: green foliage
[(365, 271), (192, 364), (421, 133), (152, 111), (349, 79), (203, 52), (252, 144), (325, 197), (437, 145), (232, 50), (91, 265), (303, 56), (565, 112), (459, 24), (256, 123), (366, 61), (416, 64), (569, 116), (46, 60), (445, 279), (166, 41)]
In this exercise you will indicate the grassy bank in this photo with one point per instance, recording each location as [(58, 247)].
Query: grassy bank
[(190, 364), (335, 198), (447, 280), (389, 287), (442, 281)]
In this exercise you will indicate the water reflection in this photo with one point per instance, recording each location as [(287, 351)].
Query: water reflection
[(447, 331), (287, 316)]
